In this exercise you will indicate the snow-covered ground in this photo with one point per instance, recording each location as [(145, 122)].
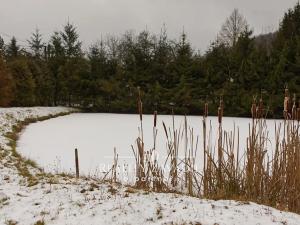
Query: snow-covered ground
[(63, 200)]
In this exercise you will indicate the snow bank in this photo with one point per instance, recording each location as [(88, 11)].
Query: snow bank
[(64, 200), (90, 203)]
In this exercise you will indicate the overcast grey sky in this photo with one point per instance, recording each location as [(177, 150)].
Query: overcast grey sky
[(201, 19)]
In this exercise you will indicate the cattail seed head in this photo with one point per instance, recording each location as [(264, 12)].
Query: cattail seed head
[(141, 110), (165, 129), (286, 103), (220, 110), (286, 92), (205, 109), (220, 115), (140, 104), (155, 118), (286, 107)]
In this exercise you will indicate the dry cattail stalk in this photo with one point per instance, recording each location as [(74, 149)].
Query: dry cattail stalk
[(154, 129), (141, 178), (185, 151), (140, 104), (114, 167), (204, 147), (165, 129), (220, 149), (140, 110), (140, 152)]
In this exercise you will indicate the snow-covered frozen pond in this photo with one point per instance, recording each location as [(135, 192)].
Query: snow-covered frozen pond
[(51, 143)]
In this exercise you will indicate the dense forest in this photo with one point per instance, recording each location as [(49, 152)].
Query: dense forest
[(170, 73)]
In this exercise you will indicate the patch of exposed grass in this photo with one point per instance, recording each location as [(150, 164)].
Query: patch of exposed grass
[(11, 222), (40, 222)]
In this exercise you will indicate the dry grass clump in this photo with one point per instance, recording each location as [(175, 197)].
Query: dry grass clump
[(265, 173), (267, 176), (40, 222)]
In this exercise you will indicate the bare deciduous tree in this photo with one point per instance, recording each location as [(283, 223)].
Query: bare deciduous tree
[(234, 25)]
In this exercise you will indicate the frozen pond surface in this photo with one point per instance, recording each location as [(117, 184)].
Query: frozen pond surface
[(52, 142)]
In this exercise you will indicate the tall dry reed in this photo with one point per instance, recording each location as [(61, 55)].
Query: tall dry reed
[(260, 171)]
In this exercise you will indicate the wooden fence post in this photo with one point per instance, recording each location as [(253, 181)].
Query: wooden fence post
[(76, 163)]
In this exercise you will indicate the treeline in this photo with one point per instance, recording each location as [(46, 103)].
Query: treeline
[(170, 73)]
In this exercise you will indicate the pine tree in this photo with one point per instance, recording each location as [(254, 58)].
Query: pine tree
[(70, 40), (143, 55), (56, 46), (162, 59), (98, 59), (182, 62), (74, 59), (36, 44), (55, 64), (12, 50), (290, 26)]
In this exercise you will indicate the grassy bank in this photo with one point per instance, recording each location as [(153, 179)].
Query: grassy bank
[(25, 166)]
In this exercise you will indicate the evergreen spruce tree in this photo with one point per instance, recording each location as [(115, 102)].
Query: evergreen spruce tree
[(70, 41), (181, 73), (36, 44), (162, 59), (12, 50), (55, 63), (74, 59)]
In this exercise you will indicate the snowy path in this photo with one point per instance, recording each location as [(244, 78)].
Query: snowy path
[(63, 200)]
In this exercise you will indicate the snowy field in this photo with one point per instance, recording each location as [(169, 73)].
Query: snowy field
[(52, 142), (63, 200)]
